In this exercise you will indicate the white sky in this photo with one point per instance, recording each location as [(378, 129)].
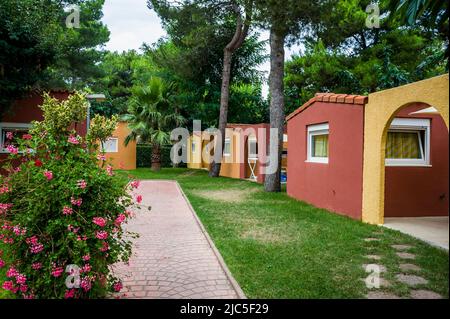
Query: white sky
[(131, 24)]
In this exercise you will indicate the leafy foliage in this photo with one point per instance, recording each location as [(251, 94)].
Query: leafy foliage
[(60, 208)]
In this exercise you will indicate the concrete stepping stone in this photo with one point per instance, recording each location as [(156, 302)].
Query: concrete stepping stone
[(383, 283), (424, 294), (401, 247), (406, 255), (381, 295), (372, 267), (371, 239), (411, 280), (409, 267), (374, 257)]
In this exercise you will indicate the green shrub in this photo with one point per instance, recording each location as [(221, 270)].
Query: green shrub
[(144, 156), (60, 208)]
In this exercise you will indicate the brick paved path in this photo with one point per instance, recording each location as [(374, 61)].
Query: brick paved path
[(173, 257)]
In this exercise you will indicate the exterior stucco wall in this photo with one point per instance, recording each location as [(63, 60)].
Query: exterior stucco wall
[(125, 158), (412, 191), (379, 112), (336, 186)]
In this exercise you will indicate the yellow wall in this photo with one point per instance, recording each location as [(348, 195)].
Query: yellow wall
[(379, 112), (230, 164), (125, 158)]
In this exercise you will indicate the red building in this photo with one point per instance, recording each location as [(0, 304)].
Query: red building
[(326, 158), (18, 119)]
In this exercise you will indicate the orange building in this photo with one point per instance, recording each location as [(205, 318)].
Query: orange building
[(242, 153), (117, 154)]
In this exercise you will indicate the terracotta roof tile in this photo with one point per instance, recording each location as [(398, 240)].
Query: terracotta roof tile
[(331, 98)]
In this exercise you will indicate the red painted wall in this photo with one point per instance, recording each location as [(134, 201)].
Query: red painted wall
[(420, 191), (336, 186)]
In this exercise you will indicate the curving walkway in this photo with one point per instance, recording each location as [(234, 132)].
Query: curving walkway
[(174, 257)]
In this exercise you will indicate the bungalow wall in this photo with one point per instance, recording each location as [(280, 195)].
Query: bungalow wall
[(336, 185), (117, 154)]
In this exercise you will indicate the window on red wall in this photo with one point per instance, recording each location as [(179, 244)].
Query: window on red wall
[(15, 130), (317, 147)]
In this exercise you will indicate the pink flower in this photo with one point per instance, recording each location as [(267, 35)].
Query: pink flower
[(120, 219), (12, 272), (30, 296), (86, 257), (2, 263), (76, 202), (135, 184), (69, 294), (36, 249), (105, 247), (23, 288), (27, 137), (57, 271), (48, 175), (21, 279), (4, 189), (109, 170), (67, 210), (139, 199), (12, 149), (73, 140), (100, 221), (86, 268), (8, 285), (36, 266), (118, 286), (82, 184), (86, 284), (101, 234), (5, 207), (9, 135), (101, 157)]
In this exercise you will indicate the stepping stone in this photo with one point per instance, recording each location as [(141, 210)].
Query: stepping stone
[(409, 267), (406, 255), (381, 295), (372, 268), (424, 294), (411, 280), (374, 257), (371, 239), (401, 247)]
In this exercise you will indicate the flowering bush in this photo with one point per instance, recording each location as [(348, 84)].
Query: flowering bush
[(61, 213)]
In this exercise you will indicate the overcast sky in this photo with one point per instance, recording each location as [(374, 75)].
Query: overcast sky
[(131, 23)]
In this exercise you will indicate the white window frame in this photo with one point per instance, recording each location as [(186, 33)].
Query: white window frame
[(412, 125), (227, 141), (314, 130), (253, 140), (116, 150), (7, 126)]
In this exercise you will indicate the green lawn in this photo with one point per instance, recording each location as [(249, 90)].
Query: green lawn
[(278, 247)]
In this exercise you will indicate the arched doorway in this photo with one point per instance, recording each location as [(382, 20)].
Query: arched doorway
[(379, 113)]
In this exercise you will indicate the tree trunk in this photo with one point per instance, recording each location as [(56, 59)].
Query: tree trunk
[(156, 158), (235, 43), (276, 89), (224, 99)]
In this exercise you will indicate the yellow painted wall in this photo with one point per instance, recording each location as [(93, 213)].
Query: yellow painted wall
[(230, 164), (379, 112), (125, 158)]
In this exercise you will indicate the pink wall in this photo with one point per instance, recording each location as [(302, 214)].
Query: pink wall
[(336, 186), (420, 191)]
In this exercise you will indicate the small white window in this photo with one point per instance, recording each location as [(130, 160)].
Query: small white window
[(317, 151), (17, 130), (285, 138), (227, 148), (252, 148), (193, 147), (408, 142), (111, 145)]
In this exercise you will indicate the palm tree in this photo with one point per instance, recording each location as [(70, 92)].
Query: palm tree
[(151, 116)]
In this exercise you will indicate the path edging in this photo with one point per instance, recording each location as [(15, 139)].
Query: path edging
[(219, 257)]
